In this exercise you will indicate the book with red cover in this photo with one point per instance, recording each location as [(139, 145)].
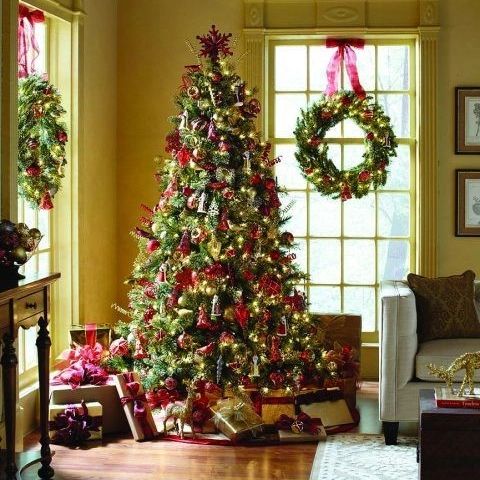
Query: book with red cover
[(446, 399)]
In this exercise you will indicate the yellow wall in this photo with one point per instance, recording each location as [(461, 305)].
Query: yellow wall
[(97, 173), (151, 56), (459, 65)]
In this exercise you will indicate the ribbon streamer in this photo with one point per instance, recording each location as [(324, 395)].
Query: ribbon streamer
[(28, 48), (345, 53), (139, 401)]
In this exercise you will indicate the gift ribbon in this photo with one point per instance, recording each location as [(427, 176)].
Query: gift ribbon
[(344, 53), (28, 48), (91, 334), (322, 395), (139, 404), (308, 425), (233, 411), (73, 426)]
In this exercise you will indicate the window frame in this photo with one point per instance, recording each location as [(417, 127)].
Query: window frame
[(272, 41), (65, 70)]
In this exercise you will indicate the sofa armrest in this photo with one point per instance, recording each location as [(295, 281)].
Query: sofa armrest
[(398, 343)]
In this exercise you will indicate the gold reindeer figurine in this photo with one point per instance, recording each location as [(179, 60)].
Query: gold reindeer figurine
[(468, 362), (182, 413)]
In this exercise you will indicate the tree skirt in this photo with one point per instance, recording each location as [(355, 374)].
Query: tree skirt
[(365, 457)]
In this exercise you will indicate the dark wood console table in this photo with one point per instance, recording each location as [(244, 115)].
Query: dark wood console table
[(26, 306), (448, 440)]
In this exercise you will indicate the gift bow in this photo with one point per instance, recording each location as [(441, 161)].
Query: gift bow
[(235, 410), (28, 48), (303, 420), (344, 53), (139, 404), (73, 426)]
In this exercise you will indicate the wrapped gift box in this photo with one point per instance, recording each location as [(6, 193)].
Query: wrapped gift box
[(326, 405), (89, 334), (236, 419), (273, 405), (302, 437), (348, 386), (114, 418), (75, 423), (135, 405)]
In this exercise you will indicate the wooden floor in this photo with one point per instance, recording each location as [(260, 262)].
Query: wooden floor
[(122, 458)]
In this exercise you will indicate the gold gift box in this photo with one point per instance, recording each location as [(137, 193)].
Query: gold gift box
[(236, 419), (79, 339)]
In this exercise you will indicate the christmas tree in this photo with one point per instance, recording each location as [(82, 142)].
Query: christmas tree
[(213, 290)]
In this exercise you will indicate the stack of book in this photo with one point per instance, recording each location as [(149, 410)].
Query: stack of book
[(446, 399)]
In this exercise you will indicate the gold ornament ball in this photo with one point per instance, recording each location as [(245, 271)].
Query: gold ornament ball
[(19, 255), (229, 313), (35, 233), (155, 227), (182, 301), (211, 290)]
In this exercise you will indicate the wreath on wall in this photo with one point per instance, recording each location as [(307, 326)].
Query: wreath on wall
[(41, 141), (334, 107)]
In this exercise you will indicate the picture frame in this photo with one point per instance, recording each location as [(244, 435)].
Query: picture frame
[(467, 216), (467, 120)]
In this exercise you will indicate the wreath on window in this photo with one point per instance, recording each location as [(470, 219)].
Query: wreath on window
[(334, 107), (312, 149), (41, 141)]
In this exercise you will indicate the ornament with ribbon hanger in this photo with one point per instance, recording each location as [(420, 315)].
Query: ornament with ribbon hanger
[(247, 162), (216, 310), (201, 203), (162, 273)]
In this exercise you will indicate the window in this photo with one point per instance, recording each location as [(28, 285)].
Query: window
[(40, 260), (347, 248), (57, 250)]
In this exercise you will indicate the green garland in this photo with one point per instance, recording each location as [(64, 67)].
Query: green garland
[(41, 141), (312, 149)]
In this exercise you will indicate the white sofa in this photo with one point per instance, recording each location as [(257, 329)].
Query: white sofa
[(403, 359)]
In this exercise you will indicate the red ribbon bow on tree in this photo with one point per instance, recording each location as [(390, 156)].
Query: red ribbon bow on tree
[(28, 48), (139, 401), (345, 52)]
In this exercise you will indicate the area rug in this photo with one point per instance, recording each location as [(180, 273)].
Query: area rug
[(365, 457)]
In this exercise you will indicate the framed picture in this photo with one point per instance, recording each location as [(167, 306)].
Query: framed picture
[(467, 218), (467, 120)]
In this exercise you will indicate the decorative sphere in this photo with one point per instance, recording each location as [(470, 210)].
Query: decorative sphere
[(182, 301), (229, 313), (35, 233), (155, 227), (211, 290), (19, 255)]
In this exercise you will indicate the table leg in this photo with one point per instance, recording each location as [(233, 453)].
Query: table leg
[(43, 347), (9, 368)]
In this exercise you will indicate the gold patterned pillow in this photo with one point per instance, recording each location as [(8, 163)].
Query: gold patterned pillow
[(445, 306)]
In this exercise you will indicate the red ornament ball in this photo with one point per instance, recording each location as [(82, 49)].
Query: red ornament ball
[(255, 179), (364, 176), (152, 245), (62, 136), (287, 238), (270, 184), (33, 171)]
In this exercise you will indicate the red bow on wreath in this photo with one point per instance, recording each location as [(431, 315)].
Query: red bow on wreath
[(28, 48), (343, 53), (302, 423), (139, 401)]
